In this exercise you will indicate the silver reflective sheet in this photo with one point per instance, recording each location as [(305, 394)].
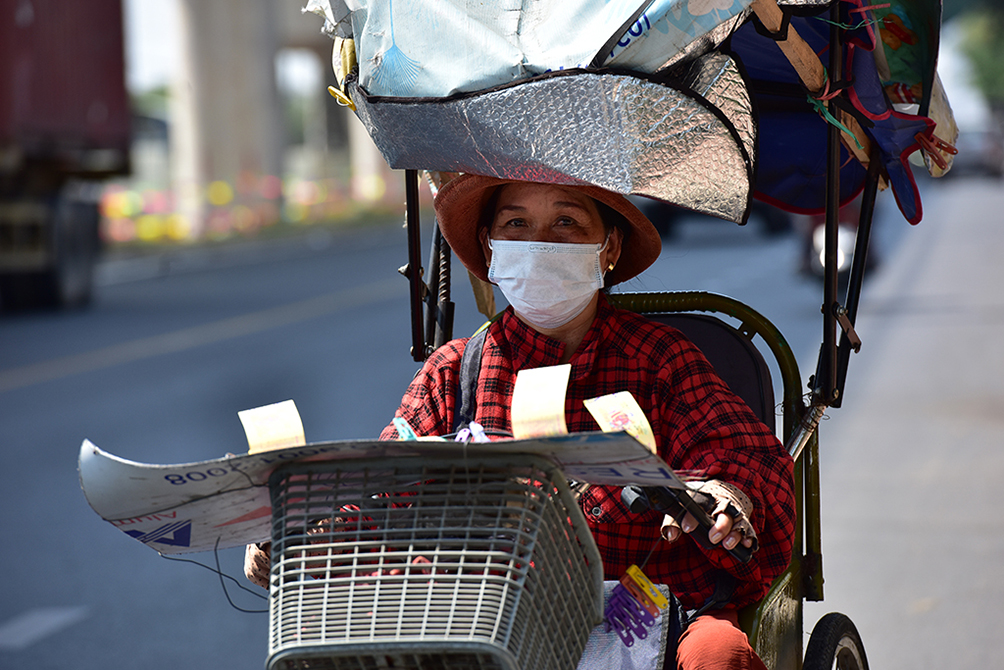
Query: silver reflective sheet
[(708, 42), (716, 78), (622, 133)]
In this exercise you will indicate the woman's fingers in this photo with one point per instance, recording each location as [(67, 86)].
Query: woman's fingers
[(670, 529), (257, 563), (720, 532), (721, 529)]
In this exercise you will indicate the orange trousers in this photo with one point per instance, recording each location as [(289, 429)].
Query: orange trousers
[(714, 641)]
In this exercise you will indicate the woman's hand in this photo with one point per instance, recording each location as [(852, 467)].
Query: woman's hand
[(723, 528), (730, 530), (258, 563)]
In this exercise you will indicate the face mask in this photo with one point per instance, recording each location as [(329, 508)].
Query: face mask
[(547, 283)]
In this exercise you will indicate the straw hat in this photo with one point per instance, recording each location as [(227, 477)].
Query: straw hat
[(460, 203)]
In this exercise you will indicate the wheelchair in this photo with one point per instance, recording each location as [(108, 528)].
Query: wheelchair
[(489, 563), (724, 329)]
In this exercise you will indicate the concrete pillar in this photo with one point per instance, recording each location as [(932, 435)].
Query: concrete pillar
[(373, 182), (226, 122), (315, 128), (315, 132), (370, 174)]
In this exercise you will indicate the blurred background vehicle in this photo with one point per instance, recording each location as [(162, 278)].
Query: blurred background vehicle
[(64, 126), (812, 235), (665, 217), (981, 153)]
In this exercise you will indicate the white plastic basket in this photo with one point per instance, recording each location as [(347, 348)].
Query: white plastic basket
[(426, 564)]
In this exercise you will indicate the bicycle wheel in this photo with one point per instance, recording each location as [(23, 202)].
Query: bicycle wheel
[(835, 645)]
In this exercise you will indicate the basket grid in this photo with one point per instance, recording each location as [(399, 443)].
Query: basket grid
[(413, 552), (392, 661)]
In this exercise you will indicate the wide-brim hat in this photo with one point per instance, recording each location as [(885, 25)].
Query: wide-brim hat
[(460, 203)]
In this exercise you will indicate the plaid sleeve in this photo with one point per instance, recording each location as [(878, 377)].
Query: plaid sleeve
[(703, 428), (428, 404), (716, 436)]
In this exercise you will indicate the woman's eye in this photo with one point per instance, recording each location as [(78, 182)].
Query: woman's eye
[(566, 221)]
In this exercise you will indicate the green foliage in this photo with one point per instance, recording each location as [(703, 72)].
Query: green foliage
[(952, 8), (984, 34), (152, 102), (295, 118)]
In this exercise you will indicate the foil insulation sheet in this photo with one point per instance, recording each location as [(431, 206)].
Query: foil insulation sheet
[(716, 78), (624, 133), (707, 42)]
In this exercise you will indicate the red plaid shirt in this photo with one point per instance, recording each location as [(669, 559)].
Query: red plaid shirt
[(699, 424)]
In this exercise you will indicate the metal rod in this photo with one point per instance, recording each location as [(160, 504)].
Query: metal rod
[(444, 305), (863, 237), (433, 284), (856, 279), (805, 430), (812, 558), (414, 267), (826, 370)]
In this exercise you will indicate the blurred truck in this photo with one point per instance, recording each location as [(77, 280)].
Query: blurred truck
[(64, 127)]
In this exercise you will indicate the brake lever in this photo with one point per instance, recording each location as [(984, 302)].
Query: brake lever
[(675, 502)]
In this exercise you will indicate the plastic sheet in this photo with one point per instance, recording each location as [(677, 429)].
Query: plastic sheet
[(408, 48), (624, 133)]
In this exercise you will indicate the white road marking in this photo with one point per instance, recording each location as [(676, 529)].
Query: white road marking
[(197, 336), (25, 630)]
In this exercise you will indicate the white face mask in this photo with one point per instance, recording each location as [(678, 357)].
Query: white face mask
[(547, 283)]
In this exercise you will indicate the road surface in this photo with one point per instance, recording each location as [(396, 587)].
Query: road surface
[(176, 344)]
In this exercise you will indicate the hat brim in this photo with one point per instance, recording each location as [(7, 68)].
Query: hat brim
[(460, 202)]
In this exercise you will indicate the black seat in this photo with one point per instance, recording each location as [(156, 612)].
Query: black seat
[(736, 360)]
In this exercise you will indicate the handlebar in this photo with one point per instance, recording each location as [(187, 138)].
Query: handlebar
[(675, 503)]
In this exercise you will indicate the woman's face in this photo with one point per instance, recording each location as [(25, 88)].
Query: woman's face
[(548, 213)]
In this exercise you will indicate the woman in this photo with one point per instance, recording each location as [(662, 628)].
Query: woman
[(551, 249)]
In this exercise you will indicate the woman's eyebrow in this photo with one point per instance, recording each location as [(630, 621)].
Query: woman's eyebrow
[(571, 203), (513, 208), (560, 203)]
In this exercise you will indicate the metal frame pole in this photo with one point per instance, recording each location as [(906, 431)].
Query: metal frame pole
[(413, 270), (857, 273), (826, 371)]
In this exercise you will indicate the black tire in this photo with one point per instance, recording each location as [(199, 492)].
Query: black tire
[(69, 282), (835, 645), (77, 245)]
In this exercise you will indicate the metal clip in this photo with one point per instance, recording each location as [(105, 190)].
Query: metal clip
[(848, 328)]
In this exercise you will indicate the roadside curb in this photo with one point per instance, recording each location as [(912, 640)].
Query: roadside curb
[(120, 266)]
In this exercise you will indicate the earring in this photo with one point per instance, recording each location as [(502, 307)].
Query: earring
[(610, 267)]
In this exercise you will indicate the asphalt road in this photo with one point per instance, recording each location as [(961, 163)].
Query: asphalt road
[(912, 464), (175, 345)]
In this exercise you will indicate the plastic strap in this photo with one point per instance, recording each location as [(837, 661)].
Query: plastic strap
[(467, 385), (832, 120)]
